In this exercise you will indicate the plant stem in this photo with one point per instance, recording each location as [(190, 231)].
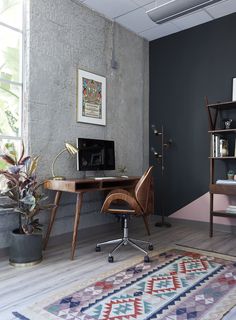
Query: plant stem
[(20, 224)]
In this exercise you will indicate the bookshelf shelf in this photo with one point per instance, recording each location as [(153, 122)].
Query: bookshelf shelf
[(220, 137), (224, 213), (222, 105), (223, 158), (222, 131), (229, 189)]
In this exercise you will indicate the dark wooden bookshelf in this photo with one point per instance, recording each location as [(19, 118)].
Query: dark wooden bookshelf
[(214, 117)]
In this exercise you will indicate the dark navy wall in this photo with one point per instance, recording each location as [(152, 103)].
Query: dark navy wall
[(184, 68)]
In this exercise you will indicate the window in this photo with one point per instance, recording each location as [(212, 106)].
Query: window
[(11, 82)]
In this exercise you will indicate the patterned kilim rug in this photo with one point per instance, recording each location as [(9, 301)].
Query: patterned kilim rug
[(176, 285)]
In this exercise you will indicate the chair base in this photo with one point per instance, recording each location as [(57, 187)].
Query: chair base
[(125, 240)]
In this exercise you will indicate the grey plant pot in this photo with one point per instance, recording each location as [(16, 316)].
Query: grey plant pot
[(25, 249)]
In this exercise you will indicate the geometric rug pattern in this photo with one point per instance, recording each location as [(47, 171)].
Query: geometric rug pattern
[(175, 285)]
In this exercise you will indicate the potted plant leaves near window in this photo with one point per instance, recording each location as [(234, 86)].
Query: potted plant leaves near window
[(26, 200)]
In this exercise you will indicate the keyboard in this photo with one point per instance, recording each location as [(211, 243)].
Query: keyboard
[(103, 178), (107, 178)]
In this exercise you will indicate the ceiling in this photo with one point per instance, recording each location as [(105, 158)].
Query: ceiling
[(132, 15)]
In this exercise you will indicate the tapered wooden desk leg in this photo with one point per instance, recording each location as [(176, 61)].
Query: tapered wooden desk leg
[(52, 217), (145, 219), (76, 223)]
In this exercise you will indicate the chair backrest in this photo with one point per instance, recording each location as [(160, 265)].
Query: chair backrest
[(142, 189)]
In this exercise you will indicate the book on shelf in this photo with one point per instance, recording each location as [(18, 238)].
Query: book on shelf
[(226, 182), (219, 147), (213, 145), (215, 152)]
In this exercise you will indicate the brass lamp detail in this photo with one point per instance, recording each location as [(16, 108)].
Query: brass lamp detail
[(71, 150)]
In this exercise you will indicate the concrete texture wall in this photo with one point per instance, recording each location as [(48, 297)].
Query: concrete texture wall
[(65, 36)]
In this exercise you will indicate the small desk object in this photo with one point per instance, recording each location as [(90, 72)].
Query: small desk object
[(79, 187)]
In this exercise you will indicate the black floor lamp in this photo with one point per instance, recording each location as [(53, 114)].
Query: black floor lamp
[(161, 160)]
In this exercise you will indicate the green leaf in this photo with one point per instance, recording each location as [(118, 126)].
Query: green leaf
[(8, 159), (22, 152), (33, 166), (29, 199)]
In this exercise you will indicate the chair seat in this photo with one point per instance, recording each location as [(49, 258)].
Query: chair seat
[(120, 207)]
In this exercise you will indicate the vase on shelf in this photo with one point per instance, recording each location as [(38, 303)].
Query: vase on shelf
[(227, 123)]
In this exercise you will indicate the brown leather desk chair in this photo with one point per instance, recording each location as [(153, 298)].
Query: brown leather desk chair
[(123, 203)]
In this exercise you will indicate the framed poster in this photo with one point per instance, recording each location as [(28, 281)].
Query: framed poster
[(91, 98), (234, 90)]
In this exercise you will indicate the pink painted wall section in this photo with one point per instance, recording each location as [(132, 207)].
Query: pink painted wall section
[(198, 210)]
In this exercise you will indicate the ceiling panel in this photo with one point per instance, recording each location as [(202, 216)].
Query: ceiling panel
[(136, 21), (192, 19), (78, 1), (144, 2), (132, 15), (153, 4), (159, 31), (222, 8), (111, 9)]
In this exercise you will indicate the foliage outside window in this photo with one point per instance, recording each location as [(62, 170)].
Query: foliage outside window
[(11, 13)]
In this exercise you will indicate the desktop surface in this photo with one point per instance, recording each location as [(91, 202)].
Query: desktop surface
[(90, 183)]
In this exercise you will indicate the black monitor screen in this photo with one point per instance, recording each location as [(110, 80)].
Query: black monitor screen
[(95, 155)]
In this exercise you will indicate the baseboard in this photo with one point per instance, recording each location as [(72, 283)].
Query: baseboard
[(66, 237), (203, 225)]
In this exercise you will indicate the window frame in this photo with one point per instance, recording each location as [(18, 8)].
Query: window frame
[(19, 137)]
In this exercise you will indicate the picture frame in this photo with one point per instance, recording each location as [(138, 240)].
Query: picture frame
[(91, 98), (234, 90)]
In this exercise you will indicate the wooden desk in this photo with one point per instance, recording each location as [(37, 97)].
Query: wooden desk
[(79, 187)]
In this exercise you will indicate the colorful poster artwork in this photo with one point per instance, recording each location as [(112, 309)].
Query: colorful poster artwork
[(92, 99)]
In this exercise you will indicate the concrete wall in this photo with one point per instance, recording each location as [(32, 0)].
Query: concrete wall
[(65, 36)]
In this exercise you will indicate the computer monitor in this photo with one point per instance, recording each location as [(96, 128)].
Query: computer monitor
[(95, 154)]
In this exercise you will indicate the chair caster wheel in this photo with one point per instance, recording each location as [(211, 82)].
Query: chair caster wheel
[(110, 259), (150, 247), (146, 259), (98, 249)]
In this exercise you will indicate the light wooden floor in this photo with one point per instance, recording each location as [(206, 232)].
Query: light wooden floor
[(21, 287)]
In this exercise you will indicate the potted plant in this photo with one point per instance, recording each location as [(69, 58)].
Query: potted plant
[(230, 175), (122, 169), (26, 199)]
